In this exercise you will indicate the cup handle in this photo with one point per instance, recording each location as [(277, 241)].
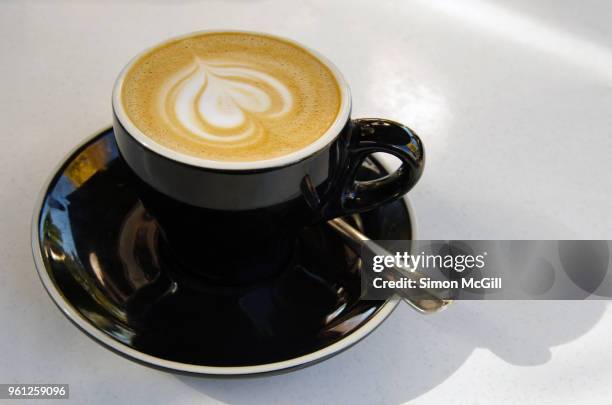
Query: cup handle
[(372, 135)]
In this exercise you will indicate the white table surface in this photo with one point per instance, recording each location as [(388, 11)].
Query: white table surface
[(513, 101)]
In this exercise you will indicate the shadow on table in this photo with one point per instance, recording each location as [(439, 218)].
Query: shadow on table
[(412, 354)]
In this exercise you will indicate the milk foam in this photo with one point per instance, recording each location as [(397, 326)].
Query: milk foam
[(217, 102), (231, 96)]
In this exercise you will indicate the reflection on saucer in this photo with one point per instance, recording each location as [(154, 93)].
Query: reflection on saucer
[(100, 256)]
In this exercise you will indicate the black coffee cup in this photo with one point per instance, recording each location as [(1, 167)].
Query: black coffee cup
[(236, 222)]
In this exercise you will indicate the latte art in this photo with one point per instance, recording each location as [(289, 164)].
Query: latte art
[(220, 102), (231, 96)]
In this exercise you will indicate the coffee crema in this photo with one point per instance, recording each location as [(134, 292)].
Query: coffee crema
[(231, 96)]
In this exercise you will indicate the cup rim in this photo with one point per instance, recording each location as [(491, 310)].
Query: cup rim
[(323, 141)]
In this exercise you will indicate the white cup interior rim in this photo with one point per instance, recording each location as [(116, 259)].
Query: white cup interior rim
[(284, 160)]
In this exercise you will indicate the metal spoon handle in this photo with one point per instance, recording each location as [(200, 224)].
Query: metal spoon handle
[(425, 301)]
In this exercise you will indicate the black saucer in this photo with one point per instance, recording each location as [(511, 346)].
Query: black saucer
[(99, 256)]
